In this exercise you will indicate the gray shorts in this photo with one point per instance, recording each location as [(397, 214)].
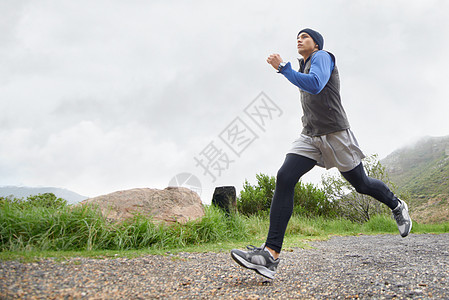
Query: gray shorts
[(339, 149)]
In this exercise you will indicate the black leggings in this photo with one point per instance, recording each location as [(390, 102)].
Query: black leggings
[(288, 176)]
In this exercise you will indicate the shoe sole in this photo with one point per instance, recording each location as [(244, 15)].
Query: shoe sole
[(264, 271)]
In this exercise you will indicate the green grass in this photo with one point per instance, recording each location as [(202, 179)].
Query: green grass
[(30, 232), (68, 228)]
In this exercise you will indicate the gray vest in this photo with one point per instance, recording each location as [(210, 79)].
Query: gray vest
[(323, 113)]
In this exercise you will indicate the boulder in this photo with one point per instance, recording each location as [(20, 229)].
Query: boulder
[(171, 205)]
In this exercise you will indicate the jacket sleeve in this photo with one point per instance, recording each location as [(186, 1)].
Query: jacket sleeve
[(321, 68)]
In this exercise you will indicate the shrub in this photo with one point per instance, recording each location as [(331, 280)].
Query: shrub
[(256, 199), (46, 200), (309, 200)]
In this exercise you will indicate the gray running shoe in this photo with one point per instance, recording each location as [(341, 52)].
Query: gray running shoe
[(400, 214), (256, 259)]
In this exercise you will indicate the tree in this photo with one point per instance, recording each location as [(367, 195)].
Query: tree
[(352, 205)]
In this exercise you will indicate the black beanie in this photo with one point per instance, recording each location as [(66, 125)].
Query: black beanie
[(316, 36)]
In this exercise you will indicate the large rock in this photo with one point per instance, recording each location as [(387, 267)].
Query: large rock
[(173, 204)]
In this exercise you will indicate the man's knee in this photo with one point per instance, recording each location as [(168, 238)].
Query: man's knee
[(361, 187), (284, 177)]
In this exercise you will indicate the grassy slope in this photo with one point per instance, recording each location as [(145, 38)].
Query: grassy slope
[(422, 172)]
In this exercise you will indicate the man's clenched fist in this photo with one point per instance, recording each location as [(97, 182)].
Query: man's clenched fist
[(274, 60)]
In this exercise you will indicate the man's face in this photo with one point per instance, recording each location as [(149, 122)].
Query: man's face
[(306, 45)]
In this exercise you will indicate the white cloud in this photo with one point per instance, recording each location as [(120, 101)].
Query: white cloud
[(100, 96)]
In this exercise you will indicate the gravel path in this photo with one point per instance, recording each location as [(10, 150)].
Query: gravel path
[(383, 266)]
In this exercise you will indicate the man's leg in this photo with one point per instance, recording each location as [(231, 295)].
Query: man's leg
[(262, 260), (294, 167), (370, 186), (380, 191)]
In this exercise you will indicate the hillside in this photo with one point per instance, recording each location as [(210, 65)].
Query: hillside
[(23, 192), (421, 170)]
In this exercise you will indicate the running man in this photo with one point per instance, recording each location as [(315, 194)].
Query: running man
[(326, 141)]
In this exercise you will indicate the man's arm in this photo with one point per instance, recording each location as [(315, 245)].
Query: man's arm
[(321, 68)]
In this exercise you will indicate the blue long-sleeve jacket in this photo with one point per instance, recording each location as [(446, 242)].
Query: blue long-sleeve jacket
[(321, 69)]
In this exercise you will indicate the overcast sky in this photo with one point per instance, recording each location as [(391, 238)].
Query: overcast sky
[(101, 96)]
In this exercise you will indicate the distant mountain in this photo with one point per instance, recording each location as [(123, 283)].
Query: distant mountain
[(421, 170), (24, 192)]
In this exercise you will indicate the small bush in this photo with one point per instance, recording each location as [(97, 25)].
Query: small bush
[(312, 201), (46, 200), (256, 199), (309, 200)]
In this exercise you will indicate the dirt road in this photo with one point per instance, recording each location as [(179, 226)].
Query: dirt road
[(380, 267)]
